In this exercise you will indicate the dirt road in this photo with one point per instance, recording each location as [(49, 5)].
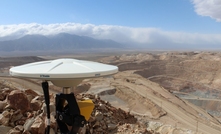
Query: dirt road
[(175, 107), (23, 84)]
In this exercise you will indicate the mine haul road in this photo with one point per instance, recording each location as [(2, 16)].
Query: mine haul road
[(180, 114)]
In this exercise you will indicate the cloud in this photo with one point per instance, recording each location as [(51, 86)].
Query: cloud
[(211, 8), (137, 36)]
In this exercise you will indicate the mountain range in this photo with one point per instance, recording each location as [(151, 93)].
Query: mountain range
[(62, 41)]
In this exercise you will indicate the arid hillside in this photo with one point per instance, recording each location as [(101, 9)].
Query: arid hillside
[(169, 92), (193, 76)]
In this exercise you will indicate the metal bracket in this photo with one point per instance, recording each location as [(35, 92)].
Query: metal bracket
[(68, 114)]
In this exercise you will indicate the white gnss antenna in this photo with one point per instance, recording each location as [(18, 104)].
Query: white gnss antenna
[(64, 73)]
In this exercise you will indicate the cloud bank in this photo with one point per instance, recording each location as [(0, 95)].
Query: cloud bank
[(129, 35), (211, 8)]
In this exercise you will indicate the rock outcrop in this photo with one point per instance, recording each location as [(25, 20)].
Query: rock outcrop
[(18, 100), (23, 112)]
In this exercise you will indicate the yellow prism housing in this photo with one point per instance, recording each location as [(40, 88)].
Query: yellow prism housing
[(86, 108)]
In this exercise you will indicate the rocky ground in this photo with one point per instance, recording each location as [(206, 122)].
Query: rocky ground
[(173, 92), (24, 112)]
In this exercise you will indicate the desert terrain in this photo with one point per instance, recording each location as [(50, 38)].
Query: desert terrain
[(167, 92)]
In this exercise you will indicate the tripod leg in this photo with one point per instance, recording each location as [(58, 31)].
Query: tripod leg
[(47, 102)]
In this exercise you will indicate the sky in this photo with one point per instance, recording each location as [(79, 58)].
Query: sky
[(175, 23)]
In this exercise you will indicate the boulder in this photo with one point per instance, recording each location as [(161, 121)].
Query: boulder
[(31, 92), (111, 126), (18, 100), (35, 105), (2, 105), (2, 96), (20, 121), (16, 116), (19, 128), (4, 118), (3, 93), (28, 124), (38, 127), (14, 131), (98, 116)]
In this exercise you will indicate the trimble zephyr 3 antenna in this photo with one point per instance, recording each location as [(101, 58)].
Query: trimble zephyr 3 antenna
[(64, 73)]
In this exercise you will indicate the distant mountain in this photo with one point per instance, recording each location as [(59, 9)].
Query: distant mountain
[(62, 41)]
